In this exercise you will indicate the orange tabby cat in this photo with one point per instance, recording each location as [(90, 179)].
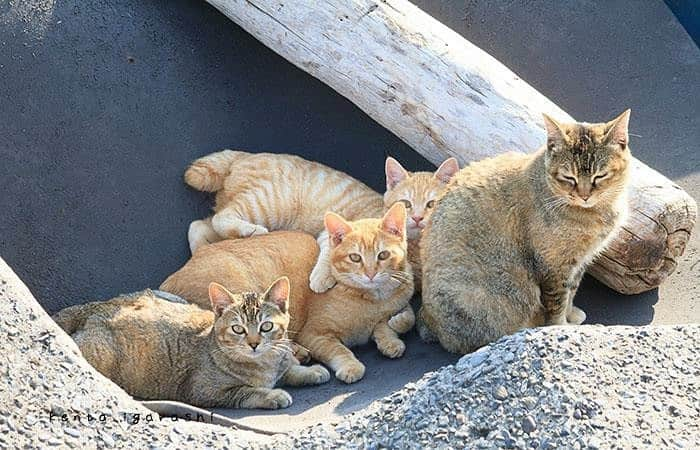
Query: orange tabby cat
[(260, 192), (368, 259)]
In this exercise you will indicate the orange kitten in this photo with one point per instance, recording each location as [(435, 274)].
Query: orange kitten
[(368, 258)]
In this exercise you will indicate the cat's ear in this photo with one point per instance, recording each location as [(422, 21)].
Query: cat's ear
[(394, 221), (395, 173), (220, 298), (555, 133), (447, 170), (616, 129), (278, 293), (337, 227)]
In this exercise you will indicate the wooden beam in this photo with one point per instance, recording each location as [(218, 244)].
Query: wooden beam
[(446, 97)]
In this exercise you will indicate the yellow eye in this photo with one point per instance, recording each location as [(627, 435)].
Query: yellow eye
[(430, 204), (354, 257), (406, 203), (238, 329), (266, 326), (384, 254)]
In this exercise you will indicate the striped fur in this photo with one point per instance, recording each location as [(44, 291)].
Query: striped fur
[(157, 349)]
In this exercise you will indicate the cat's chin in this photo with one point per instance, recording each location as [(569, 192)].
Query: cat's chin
[(413, 232)]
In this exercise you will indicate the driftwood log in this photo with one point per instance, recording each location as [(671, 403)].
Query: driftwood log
[(446, 97)]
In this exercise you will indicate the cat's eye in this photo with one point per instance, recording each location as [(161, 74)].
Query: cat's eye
[(354, 257), (384, 254), (238, 329), (266, 326), (406, 203), (568, 179), (430, 204), (599, 177)]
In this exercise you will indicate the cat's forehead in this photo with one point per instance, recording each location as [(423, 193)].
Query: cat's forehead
[(417, 184), (585, 146), (366, 235)]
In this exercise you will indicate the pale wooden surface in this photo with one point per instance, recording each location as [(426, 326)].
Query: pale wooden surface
[(446, 97)]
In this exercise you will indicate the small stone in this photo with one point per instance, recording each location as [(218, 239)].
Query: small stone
[(471, 360), (528, 424), (54, 441), (461, 418), (501, 393), (530, 402), (72, 432), (443, 421)]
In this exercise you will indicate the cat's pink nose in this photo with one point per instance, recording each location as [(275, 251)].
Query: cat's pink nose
[(371, 275), (585, 197), (417, 219)]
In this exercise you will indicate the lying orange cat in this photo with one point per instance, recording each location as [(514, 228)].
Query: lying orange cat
[(260, 192), (368, 258)]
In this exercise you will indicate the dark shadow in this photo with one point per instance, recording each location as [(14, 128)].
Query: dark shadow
[(605, 306)]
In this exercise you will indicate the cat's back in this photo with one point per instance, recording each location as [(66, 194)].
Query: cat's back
[(247, 265), (288, 192)]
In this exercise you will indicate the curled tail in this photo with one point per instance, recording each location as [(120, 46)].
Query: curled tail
[(209, 172), (73, 318)]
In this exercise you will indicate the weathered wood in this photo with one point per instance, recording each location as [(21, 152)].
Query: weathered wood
[(446, 97)]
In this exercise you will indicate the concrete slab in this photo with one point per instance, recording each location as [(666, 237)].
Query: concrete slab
[(104, 104)]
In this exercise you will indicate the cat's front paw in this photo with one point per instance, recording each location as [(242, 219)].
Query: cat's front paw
[(319, 374), (392, 348), (276, 399), (402, 322), (351, 372), (576, 316), (321, 280), (256, 230), (301, 353)]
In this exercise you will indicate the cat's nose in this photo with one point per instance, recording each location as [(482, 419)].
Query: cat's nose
[(417, 219), (370, 275), (585, 197)]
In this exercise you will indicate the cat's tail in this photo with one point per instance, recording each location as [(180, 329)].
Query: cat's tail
[(209, 172), (73, 318)]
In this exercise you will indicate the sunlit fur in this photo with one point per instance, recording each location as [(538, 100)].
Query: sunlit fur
[(417, 191), (156, 349), (349, 314), (510, 238)]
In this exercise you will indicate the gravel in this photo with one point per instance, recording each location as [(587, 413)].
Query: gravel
[(582, 387)]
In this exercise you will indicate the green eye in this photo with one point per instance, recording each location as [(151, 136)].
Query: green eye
[(406, 203), (238, 329), (384, 254), (354, 257), (430, 204), (266, 326)]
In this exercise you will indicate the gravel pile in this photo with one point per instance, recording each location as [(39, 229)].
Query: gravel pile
[(583, 387), (570, 387)]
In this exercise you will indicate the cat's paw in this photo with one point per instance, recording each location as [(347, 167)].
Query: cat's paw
[(321, 280), (351, 372), (301, 354), (392, 348), (318, 374), (402, 322), (255, 230), (276, 399), (576, 316)]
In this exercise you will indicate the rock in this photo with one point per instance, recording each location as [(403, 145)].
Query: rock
[(528, 424), (500, 393)]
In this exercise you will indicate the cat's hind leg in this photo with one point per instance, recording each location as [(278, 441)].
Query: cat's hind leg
[(423, 331), (388, 341), (321, 278), (201, 233), (299, 375), (228, 223)]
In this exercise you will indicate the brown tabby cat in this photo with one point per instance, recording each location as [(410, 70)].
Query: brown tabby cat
[(510, 238), (368, 258), (232, 357), (260, 192)]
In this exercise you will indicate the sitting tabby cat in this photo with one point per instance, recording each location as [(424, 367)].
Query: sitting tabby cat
[(155, 349), (371, 298), (511, 236), (260, 192)]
